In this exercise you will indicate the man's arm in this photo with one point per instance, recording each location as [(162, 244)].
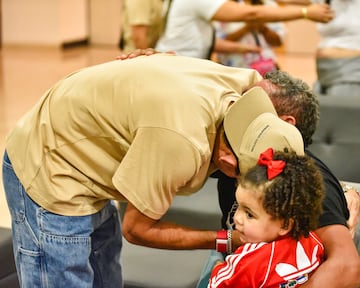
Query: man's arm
[(341, 267), (228, 46), (139, 34), (139, 229)]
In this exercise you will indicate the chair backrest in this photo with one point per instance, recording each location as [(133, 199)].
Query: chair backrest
[(337, 138)]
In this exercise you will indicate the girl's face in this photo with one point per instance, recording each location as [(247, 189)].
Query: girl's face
[(252, 221)]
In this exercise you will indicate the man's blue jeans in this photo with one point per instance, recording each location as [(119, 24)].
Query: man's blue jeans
[(60, 251)]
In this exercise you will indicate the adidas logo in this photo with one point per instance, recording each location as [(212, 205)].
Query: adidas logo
[(304, 265)]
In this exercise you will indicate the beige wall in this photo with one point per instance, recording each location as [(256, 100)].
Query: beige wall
[(54, 22), (44, 22), (105, 21)]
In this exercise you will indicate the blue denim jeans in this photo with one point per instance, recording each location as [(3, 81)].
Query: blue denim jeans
[(214, 257), (62, 251)]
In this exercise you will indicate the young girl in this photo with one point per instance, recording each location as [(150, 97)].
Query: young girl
[(279, 202)]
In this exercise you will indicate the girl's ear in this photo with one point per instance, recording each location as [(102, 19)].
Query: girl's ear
[(285, 230)]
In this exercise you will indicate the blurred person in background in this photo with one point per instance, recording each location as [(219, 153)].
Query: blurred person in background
[(338, 53), (189, 30), (142, 24), (264, 35)]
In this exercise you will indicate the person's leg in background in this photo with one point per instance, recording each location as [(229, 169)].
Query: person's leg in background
[(61, 251), (338, 77)]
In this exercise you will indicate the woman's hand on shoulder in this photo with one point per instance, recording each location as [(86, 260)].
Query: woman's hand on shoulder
[(141, 52)]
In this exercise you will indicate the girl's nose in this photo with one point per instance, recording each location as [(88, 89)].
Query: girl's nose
[(238, 218)]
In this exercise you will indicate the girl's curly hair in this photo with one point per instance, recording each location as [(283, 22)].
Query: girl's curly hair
[(294, 196)]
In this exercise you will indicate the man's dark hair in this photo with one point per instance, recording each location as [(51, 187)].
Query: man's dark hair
[(292, 96)]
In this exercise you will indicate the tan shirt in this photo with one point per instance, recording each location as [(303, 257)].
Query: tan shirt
[(140, 129), (142, 12)]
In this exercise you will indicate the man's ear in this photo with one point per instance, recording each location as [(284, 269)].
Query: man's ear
[(289, 119), (229, 160), (285, 230)]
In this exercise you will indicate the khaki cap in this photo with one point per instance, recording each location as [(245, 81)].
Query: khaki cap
[(252, 125)]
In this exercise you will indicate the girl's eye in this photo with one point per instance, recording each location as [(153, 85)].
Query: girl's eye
[(249, 215)]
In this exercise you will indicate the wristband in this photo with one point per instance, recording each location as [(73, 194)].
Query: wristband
[(222, 241), (304, 12)]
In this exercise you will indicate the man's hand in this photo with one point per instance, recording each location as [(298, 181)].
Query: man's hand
[(140, 52), (353, 203), (236, 242)]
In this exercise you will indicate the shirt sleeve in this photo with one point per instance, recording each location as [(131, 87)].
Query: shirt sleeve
[(335, 209), (204, 8), (158, 163), (139, 12), (236, 271)]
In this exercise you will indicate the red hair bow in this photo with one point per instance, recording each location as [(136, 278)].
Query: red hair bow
[(274, 167)]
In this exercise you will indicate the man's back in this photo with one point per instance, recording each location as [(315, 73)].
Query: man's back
[(104, 109)]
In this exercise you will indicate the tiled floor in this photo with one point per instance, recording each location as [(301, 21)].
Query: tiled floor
[(25, 73)]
